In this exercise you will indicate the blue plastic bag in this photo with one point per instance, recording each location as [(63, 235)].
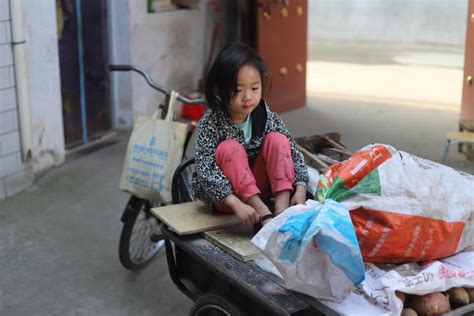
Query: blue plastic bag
[(330, 229), (315, 249)]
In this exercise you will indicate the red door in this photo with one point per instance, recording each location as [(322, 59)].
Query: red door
[(282, 43), (467, 106)]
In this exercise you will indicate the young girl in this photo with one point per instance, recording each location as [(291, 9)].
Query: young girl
[(244, 153)]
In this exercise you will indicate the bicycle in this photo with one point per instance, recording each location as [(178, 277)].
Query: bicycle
[(141, 237)]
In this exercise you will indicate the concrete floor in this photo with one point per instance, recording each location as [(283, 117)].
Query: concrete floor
[(59, 249), (408, 97), (59, 238)]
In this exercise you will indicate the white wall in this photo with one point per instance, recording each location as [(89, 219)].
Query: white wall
[(119, 53), (44, 84), (439, 22), (14, 175), (168, 45), (172, 46)]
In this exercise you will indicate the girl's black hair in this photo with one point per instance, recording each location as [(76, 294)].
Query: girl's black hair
[(221, 82)]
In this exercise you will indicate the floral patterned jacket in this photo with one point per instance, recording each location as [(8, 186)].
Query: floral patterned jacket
[(209, 183)]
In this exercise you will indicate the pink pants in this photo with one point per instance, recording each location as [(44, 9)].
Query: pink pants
[(271, 172)]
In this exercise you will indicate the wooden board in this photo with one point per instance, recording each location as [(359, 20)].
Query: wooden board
[(192, 217), (463, 137), (235, 240), (467, 125)]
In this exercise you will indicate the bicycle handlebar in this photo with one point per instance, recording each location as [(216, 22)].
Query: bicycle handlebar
[(191, 101), (153, 84), (120, 67)]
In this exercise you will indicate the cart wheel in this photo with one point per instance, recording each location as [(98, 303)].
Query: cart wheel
[(141, 237), (214, 304)]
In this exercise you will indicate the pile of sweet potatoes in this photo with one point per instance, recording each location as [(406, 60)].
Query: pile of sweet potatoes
[(435, 303)]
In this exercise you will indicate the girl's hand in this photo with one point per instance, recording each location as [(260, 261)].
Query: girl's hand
[(299, 197), (245, 213)]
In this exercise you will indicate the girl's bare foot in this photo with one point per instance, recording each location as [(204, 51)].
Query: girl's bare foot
[(257, 203), (282, 201)]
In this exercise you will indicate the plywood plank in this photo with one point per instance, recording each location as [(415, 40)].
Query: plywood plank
[(467, 125), (192, 217), (235, 240), (465, 137)]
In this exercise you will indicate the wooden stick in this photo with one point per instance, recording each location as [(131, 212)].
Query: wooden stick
[(327, 159), (312, 156), (337, 145), (337, 150)]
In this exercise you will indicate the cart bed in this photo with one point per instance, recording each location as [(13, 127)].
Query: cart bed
[(197, 266)]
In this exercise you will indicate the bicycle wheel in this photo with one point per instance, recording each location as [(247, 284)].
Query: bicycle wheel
[(141, 237)]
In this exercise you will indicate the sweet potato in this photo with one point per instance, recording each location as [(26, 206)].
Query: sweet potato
[(408, 312), (470, 293), (431, 304), (458, 297)]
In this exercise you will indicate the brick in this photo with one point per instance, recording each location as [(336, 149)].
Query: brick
[(6, 57), (6, 77), (4, 10), (7, 121), (9, 32), (5, 36), (10, 164), (3, 33), (9, 143), (18, 181), (15, 120), (7, 99), (3, 189)]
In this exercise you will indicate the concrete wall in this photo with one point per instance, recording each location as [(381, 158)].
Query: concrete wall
[(44, 84), (14, 175), (119, 53), (172, 46), (44, 97), (168, 45), (438, 22)]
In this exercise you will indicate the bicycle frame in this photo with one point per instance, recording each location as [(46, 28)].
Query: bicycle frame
[(139, 242)]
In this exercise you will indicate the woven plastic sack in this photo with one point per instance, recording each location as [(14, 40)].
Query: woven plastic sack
[(404, 208)]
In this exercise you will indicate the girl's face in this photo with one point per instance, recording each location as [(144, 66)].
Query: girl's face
[(248, 94)]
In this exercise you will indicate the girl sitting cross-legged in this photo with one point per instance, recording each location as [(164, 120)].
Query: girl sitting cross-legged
[(244, 153)]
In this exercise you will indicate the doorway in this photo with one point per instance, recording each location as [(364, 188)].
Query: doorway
[(83, 58)]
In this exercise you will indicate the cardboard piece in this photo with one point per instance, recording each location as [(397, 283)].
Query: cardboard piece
[(192, 217), (235, 240)]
